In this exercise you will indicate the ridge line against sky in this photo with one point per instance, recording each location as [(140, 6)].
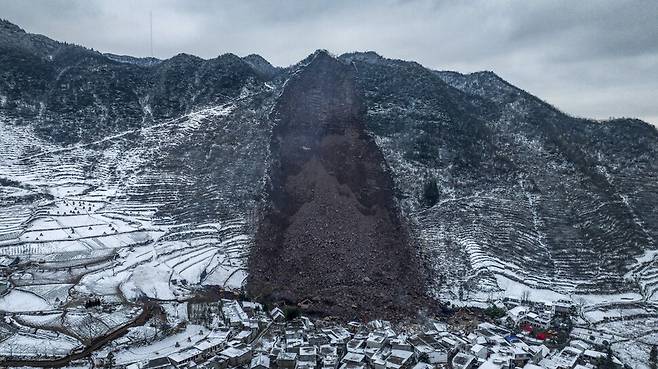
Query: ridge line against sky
[(595, 59)]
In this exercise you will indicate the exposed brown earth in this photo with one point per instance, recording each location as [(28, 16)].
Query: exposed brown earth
[(332, 233)]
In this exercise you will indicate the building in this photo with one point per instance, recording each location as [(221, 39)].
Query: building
[(212, 345), (463, 361), (329, 356), (237, 355), (203, 312), (286, 360), (278, 315), (399, 359), (562, 306), (233, 313), (260, 361), (183, 358), (479, 351)]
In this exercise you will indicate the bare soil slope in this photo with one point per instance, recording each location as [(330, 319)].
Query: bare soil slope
[(332, 233)]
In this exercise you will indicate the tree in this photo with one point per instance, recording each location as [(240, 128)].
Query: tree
[(525, 297), (291, 312), (494, 312), (110, 361), (653, 357), (606, 362), (431, 193)]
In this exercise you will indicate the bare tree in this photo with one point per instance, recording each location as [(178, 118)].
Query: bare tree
[(525, 297)]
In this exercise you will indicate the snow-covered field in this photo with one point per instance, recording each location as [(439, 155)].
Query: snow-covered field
[(633, 338), (37, 345), (190, 336)]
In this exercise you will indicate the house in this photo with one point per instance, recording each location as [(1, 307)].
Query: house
[(203, 312), (479, 351), (353, 358), (536, 320), (567, 358), (329, 356), (378, 359), (580, 345), (538, 352), (182, 358), (308, 357), (245, 336), (354, 326), (430, 349), (356, 346), (212, 345), (400, 344), (496, 363), (521, 356), (463, 361), (233, 313), (514, 315), (278, 315), (317, 339), (338, 337), (217, 362), (260, 361), (432, 355), (422, 365), (562, 306), (286, 360), (593, 357), (308, 324), (308, 353), (353, 366), (251, 308), (237, 355), (9, 261), (158, 363), (376, 339), (399, 359)]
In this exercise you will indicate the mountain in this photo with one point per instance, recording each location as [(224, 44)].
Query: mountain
[(528, 194), (76, 94), (359, 185)]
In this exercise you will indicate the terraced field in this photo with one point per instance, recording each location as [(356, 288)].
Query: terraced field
[(123, 218)]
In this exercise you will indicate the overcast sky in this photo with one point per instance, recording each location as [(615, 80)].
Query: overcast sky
[(589, 58)]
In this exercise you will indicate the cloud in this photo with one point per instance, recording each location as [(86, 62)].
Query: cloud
[(590, 58)]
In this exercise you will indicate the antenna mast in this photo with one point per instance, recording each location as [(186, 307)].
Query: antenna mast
[(151, 24)]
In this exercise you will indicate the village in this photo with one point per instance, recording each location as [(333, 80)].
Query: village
[(235, 333)]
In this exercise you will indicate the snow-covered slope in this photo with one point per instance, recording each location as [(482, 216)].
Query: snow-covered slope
[(525, 195), (174, 197)]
